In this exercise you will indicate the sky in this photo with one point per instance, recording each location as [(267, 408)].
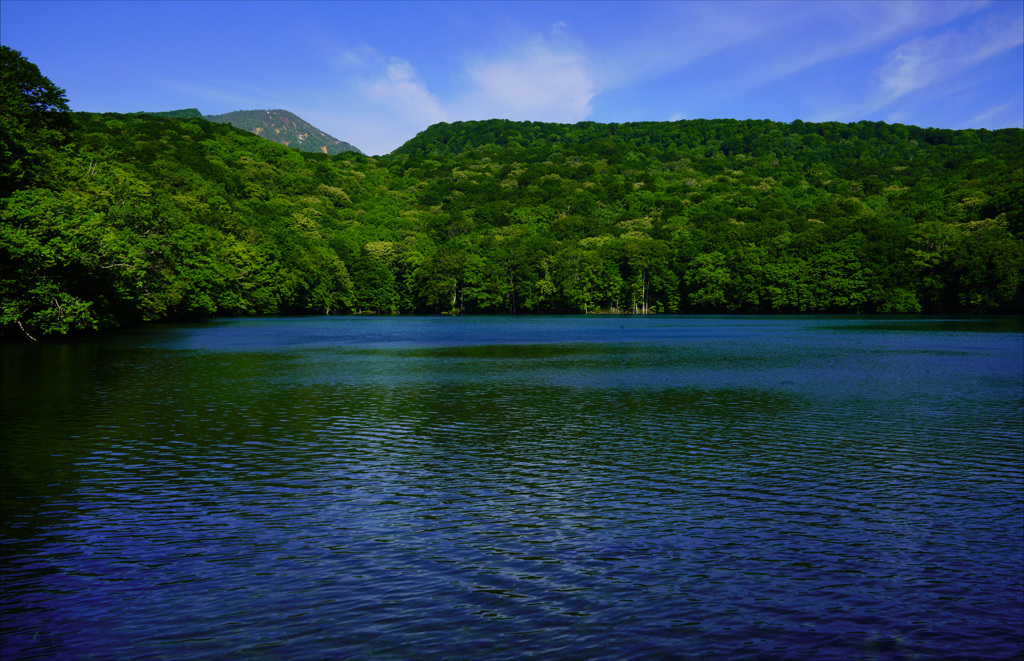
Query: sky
[(375, 74)]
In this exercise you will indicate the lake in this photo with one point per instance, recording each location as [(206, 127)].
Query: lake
[(599, 487)]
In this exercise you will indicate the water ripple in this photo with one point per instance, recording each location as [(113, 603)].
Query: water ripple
[(755, 495)]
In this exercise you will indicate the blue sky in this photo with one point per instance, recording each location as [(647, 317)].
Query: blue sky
[(376, 73)]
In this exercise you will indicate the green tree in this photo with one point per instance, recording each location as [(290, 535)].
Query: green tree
[(987, 266), (33, 121), (708, 279)]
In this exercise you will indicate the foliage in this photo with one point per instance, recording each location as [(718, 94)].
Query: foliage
[(111, 219), (33, 115), (184, 113)]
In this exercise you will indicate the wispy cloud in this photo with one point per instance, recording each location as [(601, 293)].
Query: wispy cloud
[(536, 82), (672, 36), (925, 61), (819, 33), (925, 68), (991, 113), (720, 52), (750, 45)]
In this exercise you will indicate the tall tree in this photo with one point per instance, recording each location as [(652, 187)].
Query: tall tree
[(33, 119)]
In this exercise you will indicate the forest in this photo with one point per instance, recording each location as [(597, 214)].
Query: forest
[(109, 220)]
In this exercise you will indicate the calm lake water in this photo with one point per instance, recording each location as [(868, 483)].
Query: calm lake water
[(508, 487)]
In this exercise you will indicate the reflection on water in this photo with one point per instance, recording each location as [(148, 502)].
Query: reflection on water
[(805, 487)]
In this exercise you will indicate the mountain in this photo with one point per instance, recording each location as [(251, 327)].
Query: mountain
[(280, 126)]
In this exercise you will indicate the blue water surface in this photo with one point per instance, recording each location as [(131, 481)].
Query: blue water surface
[(515, 487)]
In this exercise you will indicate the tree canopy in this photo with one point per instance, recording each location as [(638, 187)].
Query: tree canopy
[(113, 219), (33, 113)]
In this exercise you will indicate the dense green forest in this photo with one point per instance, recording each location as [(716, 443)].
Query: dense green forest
[(111, 219)]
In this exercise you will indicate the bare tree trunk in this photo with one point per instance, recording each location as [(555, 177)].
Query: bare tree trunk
[(26, 332)]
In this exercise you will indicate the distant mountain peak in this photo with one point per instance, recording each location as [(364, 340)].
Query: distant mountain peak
[(286, 128)]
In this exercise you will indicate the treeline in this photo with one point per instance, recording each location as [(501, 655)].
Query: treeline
[(111, 219)]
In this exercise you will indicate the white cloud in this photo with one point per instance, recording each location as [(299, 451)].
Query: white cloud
[(925, 69), (924, 61), (377, 104), (384, 102), (372, 135), (824, 32), (399, 92), (537, 82)]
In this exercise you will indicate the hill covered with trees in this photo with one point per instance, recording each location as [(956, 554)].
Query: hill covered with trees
[(109, 219)]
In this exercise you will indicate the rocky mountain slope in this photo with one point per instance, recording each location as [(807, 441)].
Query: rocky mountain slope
[(286, 128)]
